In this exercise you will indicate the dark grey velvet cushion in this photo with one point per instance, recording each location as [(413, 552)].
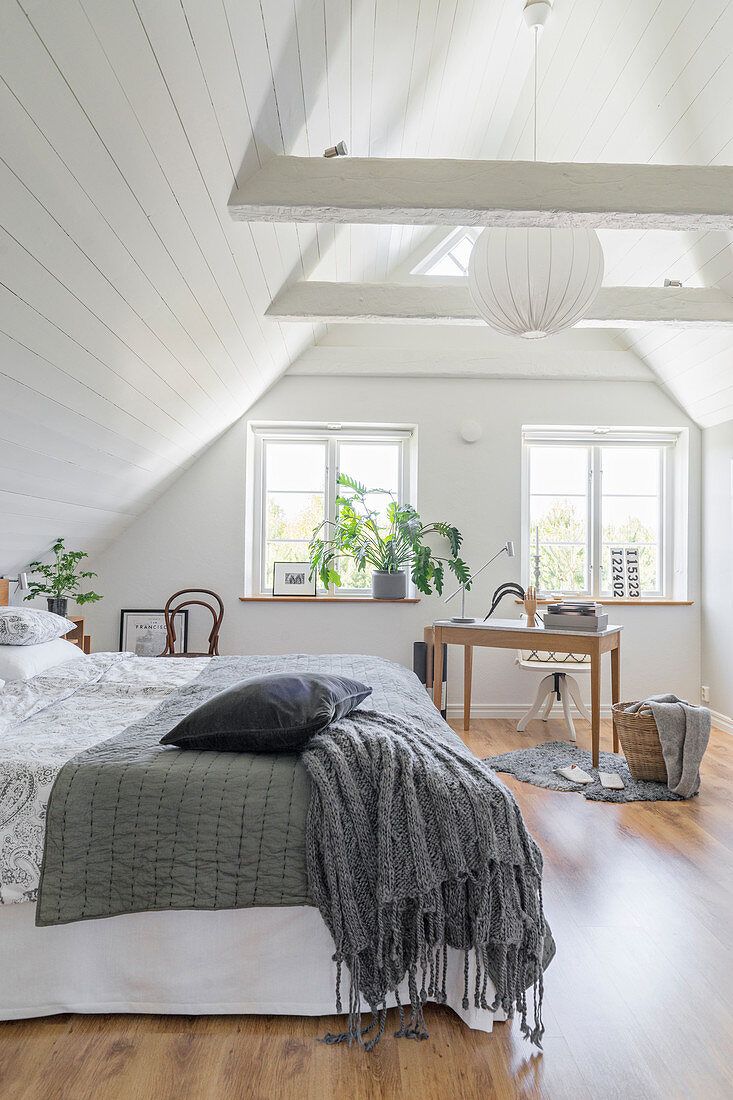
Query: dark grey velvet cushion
[(275, 713)]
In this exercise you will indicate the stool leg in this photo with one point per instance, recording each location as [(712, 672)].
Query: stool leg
[(565, 699), (539, 701), (574, 690), (547, 708)]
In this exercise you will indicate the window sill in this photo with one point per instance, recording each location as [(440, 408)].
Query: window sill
[(323, 599), (609, 601)]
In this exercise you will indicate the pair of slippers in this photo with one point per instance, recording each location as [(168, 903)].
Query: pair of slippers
[(610, 780)]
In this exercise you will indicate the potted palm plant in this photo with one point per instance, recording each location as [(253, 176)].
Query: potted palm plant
[(390, 548), (60, 580)]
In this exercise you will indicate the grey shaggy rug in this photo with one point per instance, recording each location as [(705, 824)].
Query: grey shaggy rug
[(537, 765)]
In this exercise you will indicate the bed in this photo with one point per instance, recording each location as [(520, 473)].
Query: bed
[(225, 961)]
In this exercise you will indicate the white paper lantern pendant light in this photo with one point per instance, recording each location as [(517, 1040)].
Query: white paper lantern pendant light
[(532, 282)]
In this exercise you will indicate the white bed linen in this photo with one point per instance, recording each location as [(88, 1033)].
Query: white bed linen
[(273, 961)]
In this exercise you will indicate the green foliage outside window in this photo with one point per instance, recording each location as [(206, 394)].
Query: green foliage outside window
[(563, 567)]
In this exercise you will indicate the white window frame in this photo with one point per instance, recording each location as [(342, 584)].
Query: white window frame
[(331, 435), (446, 246), (673, 445)]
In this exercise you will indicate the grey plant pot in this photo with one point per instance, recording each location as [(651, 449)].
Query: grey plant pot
[(389, 586), (59, 607)]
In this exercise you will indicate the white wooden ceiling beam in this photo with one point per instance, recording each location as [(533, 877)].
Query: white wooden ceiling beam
[(406, 191), (451, 304), (540, 359)]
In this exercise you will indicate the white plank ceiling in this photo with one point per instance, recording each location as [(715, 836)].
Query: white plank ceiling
[(132, 327)]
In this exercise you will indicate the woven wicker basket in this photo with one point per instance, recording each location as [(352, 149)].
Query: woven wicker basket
[(640, 741)]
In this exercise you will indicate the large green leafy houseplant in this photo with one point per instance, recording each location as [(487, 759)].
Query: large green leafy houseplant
[(61, 579), (387, 548)]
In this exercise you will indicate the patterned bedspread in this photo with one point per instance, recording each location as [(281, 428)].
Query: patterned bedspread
[(48, 720)]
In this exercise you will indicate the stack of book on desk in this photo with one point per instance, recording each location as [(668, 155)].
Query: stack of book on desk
[(576, 615)]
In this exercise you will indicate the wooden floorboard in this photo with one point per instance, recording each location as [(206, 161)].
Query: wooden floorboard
[(638, 1002)]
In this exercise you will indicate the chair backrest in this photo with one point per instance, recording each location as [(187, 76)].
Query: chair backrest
[(529, 657), (176, 603)]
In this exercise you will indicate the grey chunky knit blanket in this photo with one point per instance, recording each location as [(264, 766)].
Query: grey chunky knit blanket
[(414, 846)]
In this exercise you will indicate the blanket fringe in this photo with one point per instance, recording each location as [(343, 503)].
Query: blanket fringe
[(413, 1026)]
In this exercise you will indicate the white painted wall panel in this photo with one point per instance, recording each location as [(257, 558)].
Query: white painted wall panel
[(475, 486), (717, 621)]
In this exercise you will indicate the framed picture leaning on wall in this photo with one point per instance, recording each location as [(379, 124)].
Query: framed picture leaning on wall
[(292, 578), (142, 632)]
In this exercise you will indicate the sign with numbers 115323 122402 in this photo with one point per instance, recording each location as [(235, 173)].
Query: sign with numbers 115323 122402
[(625, 580)]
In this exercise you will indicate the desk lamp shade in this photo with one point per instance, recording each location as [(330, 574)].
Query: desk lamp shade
[(532, 282)]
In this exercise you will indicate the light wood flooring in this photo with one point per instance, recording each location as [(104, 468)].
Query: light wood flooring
[(639, 1000)]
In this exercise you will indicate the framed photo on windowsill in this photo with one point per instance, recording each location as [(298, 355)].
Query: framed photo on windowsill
[(292, 578), (142, 632)]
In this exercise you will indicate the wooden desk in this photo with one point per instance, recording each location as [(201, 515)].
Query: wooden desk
[(514, 634)]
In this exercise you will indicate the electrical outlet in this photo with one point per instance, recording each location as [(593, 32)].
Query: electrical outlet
[(705, 693)]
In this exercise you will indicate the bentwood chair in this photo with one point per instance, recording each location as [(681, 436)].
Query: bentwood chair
[(176, 604)]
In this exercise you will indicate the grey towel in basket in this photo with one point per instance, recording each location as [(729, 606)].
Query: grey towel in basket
[(684, 732)]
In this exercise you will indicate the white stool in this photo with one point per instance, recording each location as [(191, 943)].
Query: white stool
[(559, 685)]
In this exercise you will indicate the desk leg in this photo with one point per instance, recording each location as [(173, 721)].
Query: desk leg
[(467, 679), (595, 705), (438, 667), (616, 686)]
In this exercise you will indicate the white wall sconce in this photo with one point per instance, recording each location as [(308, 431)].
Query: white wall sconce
[(470, 431)]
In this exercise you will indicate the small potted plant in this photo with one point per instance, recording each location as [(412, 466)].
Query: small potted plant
[(390, 549), (60, 579)]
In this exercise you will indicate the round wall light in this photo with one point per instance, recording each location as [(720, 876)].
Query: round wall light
[(471, 431)]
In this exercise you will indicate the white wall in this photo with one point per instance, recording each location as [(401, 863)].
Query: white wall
[(194, 534), (717, 617)]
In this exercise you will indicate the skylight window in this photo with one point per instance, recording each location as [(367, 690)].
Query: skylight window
[(451, 256)]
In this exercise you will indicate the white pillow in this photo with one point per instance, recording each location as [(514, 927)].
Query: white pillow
[(20, 662), (30, 626)]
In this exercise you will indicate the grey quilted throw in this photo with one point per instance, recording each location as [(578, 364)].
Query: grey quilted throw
[(684, 732), (414, 846), (405, 842), (133, 826)]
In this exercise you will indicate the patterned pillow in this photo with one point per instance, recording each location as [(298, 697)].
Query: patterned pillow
[(30, 626)]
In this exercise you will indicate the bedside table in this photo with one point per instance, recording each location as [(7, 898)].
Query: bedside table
[(77, 636)]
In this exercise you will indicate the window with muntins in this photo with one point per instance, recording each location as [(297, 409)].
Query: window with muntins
[(451, 256), (588, 493), (295, 489)]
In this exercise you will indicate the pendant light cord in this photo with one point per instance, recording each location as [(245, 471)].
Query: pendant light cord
[(536, 31)]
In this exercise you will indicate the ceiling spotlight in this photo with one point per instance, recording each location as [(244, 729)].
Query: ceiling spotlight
[(339, 150), (673, 282)]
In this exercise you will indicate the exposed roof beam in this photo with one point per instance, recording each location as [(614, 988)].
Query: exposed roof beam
[(401, 304), (408, 191), (538, 359)]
